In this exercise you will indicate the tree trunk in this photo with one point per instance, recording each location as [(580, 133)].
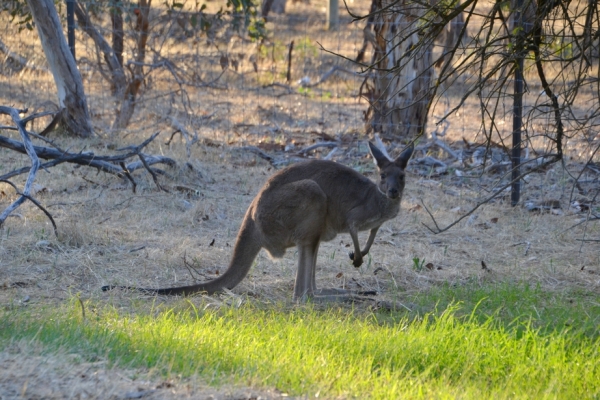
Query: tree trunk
[(400, 91), (276, 6), (118, 35), (128, 101), (62, 64)]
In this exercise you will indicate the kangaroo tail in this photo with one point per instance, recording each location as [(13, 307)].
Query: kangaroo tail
[(247, 246)]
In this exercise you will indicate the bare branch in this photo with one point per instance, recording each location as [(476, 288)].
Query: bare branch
[(35, 162)]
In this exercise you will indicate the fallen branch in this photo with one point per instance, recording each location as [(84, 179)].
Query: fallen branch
[(258, 152), (328, 75), (316, 146), (109, 164), (35, 164), (187, 136), (34, 201), (429, 161), (444, 146)]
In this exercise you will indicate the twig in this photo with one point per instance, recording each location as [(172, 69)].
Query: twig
[(82, 308), (258, 152), (330, 154), (37, 203), (154, 177), (34, 201), (289, 67), (38, 115), (128, 175), (35, 164), (189, 139), (175, 132), (191, 269)]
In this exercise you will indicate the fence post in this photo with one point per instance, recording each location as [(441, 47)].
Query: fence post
[(71, 25), (333, 15), (517, 105)]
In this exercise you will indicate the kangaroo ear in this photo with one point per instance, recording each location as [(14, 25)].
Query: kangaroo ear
[(379, 158), (403, 158)]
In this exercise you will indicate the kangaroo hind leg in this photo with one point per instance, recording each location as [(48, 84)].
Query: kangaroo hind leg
[(304, 286)]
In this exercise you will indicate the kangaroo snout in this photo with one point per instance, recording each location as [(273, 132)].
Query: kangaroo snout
[(393, 193)]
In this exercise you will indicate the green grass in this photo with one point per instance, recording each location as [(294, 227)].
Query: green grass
[(493, 345)]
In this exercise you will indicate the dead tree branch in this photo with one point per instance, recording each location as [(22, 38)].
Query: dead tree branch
[(109, 164), (35, 165)]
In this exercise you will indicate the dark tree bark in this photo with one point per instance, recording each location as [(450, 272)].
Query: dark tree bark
[(118, 35), (400, 90)]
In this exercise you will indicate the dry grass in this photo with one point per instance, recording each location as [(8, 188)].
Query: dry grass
[(26, 372), (107, 234)]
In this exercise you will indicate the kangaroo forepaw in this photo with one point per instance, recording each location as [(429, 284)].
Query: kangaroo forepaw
[(356, 261)]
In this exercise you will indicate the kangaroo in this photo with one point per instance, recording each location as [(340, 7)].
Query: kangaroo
[(303, 205)]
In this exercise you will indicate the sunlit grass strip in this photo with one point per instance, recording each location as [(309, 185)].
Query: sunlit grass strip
[(333, 353)]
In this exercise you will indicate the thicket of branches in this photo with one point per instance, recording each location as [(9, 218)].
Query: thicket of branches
[(559, 42)]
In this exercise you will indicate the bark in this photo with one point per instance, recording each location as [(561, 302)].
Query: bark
[(117, 75), (68, 80), (118, 35), (128, 101), (125, 89), (400, 90)]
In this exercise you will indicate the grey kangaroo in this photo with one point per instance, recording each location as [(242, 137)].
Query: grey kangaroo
[(303, 205)]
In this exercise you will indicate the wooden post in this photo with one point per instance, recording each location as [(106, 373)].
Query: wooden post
[(333, 15), (71, 26), (517, 106)]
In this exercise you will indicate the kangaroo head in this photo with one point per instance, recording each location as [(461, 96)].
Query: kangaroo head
[(392, 172)]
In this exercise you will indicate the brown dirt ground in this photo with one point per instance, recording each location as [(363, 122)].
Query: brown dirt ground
[(109, 235)]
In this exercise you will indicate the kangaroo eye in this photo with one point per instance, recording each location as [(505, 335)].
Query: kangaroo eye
[(382, 176)]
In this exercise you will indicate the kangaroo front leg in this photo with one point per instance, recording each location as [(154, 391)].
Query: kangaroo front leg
[(370, 241), (365, 251), (356, 256)]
